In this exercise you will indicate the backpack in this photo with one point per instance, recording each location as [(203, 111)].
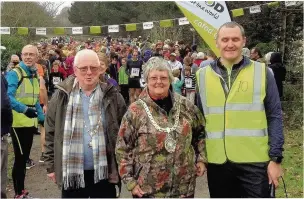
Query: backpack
[(22, 77)]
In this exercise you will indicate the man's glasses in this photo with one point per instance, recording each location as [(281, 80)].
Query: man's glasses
[(85, 69)]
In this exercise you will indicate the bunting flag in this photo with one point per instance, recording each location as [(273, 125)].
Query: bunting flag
[(131, 27), (77, 31), (166, 23), (183, 21), (237, 12), (255, 9), (273, 4), (5, 30), (204, 16), (113, 28), (290, 3), (147, 25), (40, 31), (58, 31), (95, 29), (22, 31)]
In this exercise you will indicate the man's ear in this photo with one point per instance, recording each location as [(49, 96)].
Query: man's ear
[(245, 40)]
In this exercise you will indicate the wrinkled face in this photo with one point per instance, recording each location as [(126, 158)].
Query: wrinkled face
[(230, 43), (88, 70), (29, 55), (158, 83)]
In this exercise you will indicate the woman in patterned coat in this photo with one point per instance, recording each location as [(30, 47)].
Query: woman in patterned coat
[(160, 146)]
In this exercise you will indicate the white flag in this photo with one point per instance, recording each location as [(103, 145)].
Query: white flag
[(5, 30), (183, 21), (40, 31), (77, 31), (113, 28), (290, 3), (255, 9), (147, 25)]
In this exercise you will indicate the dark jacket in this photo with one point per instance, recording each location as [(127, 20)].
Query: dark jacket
[(278, 69), (272, 103), (114, 71), (114, 108), (6, 109)]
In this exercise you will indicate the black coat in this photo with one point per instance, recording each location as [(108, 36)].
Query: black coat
[(6, 108), (279, 70)]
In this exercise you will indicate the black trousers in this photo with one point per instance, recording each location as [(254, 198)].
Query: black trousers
[(102, 189), (22, 139), (124, 90), (232, 180)]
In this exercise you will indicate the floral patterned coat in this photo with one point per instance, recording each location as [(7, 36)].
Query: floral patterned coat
[(140, 149)]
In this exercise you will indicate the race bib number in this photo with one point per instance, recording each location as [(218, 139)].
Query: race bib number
[(135, 72), (56, 80), (188, 82)]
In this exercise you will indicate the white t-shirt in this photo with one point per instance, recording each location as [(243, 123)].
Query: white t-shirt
[(175, 65)]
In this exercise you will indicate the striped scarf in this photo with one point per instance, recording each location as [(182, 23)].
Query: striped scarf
[(72, 158)]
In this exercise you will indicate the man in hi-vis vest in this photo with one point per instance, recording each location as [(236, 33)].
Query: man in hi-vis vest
[(244, 140), (23, 91)]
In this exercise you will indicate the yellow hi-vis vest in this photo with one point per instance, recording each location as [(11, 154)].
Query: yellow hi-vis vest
[(236, 124), (27, 93)]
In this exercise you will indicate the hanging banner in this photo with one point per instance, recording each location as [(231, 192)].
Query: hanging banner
[(22, 31), (183, 21), (255, 9), (95, 29), (40, 31), (147, 25), (5, 30), (77, 31), (166, 23), (206, 17), (290, 3), (131, 27), (59, 31), (113, 28), (273, 4), (237, 12)]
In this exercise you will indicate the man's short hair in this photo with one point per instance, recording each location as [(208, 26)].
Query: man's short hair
[(231, 24)]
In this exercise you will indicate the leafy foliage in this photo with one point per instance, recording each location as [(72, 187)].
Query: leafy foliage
[(13, 45)]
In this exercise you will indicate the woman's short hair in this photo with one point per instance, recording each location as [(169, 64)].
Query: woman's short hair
[(267, 57), (157, 63)]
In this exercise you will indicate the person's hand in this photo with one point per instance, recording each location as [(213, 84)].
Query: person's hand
[(137, 191), (30, 113), (44, 109), (200, 169), (52, 176), (274, 171)]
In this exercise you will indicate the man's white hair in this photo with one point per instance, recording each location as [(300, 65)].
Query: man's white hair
[(14, 56), (31, 46), (85, 53)]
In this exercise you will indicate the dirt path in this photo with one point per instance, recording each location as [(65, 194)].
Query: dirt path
[(39, 186)]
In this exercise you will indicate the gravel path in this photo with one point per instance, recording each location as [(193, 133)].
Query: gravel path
[(39, 186)]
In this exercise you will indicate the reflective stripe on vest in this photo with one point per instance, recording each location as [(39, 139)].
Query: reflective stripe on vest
[(237, 126), (27, 93)]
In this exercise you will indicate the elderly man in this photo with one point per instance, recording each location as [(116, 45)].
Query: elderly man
[(23, 91), (13, 63), (240, 100), (81, 125)]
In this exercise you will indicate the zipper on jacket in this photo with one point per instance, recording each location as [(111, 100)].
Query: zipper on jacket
[(225, 109)]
